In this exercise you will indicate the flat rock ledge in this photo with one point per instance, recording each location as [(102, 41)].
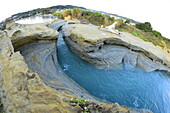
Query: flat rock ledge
[(22, 89), (109, 50)]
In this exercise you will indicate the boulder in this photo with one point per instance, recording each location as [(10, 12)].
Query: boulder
[(21, 34)]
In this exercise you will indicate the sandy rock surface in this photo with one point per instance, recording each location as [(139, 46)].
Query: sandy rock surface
[(22, 86)]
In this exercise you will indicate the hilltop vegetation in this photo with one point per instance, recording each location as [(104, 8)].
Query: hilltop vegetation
[(141, 30), (146, 32), (86, 16), (49, 10)]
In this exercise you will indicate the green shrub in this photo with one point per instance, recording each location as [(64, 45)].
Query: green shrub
[(154, 36), (78, 101), (52, 11), (128, 21), (82, 103), (59, 15), (144, 26), (67, 12), (156, 33), (119, 23), (45, 11)]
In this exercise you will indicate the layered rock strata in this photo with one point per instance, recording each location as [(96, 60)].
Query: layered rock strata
[(21, 86), (109, 50), (22, 90)]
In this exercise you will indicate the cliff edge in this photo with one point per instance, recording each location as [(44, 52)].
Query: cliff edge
[(108, 50)]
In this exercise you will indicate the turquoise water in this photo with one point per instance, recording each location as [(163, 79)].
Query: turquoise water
[(135, 89)]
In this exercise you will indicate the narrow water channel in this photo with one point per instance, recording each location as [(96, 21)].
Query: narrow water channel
[(132, 88), (135, 89)]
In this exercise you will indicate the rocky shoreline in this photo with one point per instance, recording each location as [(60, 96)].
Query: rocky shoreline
[(32, 82), (109, 50)]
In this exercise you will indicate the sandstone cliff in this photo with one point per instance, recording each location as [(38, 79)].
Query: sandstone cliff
[(22, 90)]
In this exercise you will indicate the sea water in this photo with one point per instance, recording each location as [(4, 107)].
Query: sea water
[(36, 19), (132, 88)]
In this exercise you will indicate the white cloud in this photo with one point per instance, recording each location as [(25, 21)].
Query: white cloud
[(154, 11)]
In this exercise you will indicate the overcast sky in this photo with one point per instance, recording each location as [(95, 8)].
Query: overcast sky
[(155, 11)]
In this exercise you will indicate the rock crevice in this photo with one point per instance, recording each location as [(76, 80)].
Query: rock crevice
[(24, 87)]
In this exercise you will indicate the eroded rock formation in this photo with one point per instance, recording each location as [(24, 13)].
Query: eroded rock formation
[(22, 90), (21, 87), (109, 50)]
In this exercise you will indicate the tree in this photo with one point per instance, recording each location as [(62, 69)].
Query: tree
[(128, 21), (45, 11), (144, 26), (67, 12), (59, 15), (156, 33)]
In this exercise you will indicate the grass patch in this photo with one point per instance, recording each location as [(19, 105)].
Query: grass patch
[(141, 30), (82, 103), (78, 101), (152, 37)]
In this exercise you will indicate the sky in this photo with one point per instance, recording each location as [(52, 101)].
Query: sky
[(154, 11)]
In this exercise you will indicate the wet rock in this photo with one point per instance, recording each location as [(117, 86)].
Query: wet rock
[(21, 89), (109, 50)]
